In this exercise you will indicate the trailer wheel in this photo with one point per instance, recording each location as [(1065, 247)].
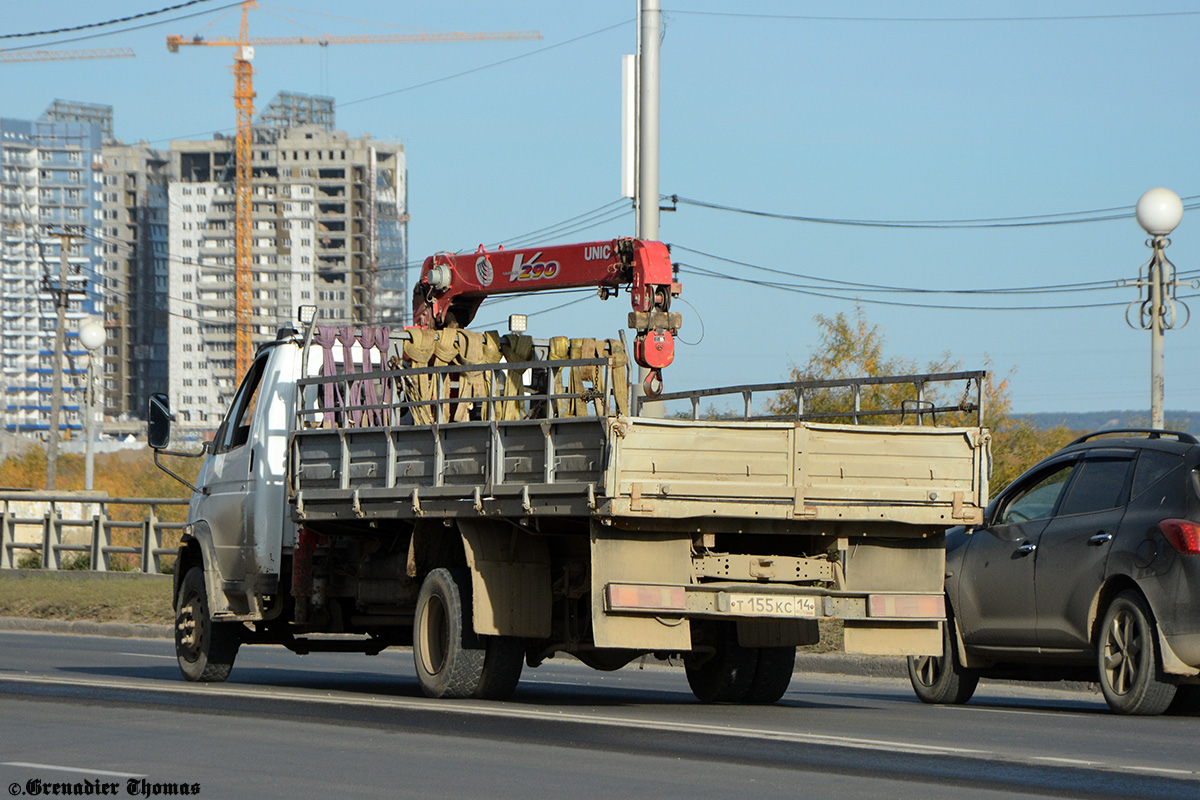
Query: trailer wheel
[(772, 675), (727, 674), (449, 656), (205, 649)]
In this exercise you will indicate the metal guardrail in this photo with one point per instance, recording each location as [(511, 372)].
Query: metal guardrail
[(94, 529)]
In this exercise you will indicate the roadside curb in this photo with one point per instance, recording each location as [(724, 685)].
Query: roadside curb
[(121, 630), (860, 666)]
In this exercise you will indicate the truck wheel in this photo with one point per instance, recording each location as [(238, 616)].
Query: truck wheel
[(1129, 674), (726, 675), (205, 649), (942, 680), (501, 667), (449, 656), (772, 675)]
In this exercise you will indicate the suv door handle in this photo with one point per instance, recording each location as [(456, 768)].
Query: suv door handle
[(1099, 539), (1026, 549)]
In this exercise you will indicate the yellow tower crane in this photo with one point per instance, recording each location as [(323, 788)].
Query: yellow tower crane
[(243, 96)]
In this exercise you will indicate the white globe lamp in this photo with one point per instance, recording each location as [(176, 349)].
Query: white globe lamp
[(1159, 211), (92, 335)]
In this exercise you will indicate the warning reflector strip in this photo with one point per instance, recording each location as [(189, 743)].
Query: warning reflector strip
[(630, 597), (906, 606)]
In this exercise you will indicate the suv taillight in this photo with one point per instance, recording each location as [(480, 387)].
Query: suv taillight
[(1183, 535)]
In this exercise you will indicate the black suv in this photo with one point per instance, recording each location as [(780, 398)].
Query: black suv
[(1087, 567)]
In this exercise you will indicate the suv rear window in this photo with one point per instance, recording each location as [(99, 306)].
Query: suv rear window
[(1152, 465), (1099, 484)]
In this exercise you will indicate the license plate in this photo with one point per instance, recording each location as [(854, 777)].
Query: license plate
[(767, 605)]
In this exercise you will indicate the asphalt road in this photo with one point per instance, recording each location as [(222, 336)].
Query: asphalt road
[(92, 712)]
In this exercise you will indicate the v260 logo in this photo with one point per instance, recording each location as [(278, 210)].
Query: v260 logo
[(533, 269)]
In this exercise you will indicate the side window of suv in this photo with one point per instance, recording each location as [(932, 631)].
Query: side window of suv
[(1038, 499), (1100, 483), (1152, 465)]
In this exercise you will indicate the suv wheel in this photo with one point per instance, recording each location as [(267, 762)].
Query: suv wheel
[(942, 679), (1129, 673)]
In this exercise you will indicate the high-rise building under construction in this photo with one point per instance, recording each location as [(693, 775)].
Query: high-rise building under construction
[(328, 228)]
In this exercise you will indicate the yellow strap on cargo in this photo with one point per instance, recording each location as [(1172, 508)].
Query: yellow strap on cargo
[(515, 348), (491, 355), (615, 350), (560, 350), (470, 384), (419, 350), (581, 375)]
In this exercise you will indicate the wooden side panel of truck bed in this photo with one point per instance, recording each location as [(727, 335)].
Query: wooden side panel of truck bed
[(805, 471)]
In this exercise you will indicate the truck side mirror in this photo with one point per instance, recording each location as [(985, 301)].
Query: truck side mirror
[(158, 421)]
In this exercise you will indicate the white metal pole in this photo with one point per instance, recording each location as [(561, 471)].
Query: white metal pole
[(651, 25), (89, 396), (649, 33), (1157, 419)]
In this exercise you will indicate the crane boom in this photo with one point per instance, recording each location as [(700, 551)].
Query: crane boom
[(175, 42), (452, 287), (17, 56)]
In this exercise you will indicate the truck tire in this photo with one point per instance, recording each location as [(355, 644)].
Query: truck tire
[(942, 680), (1129, 673), (772, 675), (501, 667), (727, 674), (205, 649), (449, 657)]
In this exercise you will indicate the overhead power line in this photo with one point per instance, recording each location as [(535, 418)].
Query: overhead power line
[(143, 26), (482, 67), (1030, 221), (795, 289), (114, 21), (1048, 18), (835, 283)]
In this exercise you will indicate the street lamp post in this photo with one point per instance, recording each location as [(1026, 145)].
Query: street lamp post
[(1159, 211), (92, 336)]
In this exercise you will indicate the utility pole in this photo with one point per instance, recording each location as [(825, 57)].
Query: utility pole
[(62, 299)]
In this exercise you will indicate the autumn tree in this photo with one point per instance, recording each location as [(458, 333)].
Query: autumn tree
[(850, 346), (853, 347)]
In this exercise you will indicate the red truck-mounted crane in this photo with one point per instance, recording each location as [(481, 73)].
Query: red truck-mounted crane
[(452, 287)]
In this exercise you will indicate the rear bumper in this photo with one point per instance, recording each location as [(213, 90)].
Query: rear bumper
[(724, 600)]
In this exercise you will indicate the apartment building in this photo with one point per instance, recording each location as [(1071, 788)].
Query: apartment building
[(135, 218), (328, 229), (50, 173)]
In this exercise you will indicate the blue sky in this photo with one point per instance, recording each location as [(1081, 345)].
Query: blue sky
[(874, 118)]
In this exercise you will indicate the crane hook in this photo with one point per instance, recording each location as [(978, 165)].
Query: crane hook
[(653, 384)]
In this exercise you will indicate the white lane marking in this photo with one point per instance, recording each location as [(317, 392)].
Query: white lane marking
[(1164, 770), (59, 768), (494, 710), (1077, 762), (970, 708), (149, 655), (491, 710)]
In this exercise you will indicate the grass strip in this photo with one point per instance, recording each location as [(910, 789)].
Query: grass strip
[(86, 596)]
